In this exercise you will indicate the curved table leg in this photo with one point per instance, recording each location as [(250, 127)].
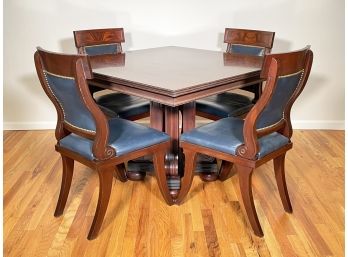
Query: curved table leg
[(168, 119)]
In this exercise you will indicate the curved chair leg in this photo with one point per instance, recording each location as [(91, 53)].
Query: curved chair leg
[(189, 172), (225, 170), (120, 172), (161, 176), (105, 184), (244, 174), (279, 172), (68, 170)]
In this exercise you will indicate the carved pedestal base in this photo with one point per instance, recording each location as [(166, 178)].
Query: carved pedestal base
[(136, 169)]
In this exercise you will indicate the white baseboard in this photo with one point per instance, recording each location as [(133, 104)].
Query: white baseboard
[(305, 124), (29, 125), (297, 124), (318, 124)]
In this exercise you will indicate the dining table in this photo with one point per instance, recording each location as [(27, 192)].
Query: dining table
[(172, 78)]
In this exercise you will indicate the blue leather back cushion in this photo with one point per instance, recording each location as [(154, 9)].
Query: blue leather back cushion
[(103, 49), (75, 112), (124, 136), (248, 50), (226, 135), (273, 112)]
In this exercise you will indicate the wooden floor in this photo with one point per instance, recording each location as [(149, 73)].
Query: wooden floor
[(139, 223)]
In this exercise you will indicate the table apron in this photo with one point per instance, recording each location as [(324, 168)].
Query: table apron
[(178, 100)]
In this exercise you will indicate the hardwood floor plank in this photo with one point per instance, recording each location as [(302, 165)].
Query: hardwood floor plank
[(210, 234), (159, 224), (119, 221), (189, 241), (331, 238), (197, 220), (177, 230), (210, 222), (143, 237)]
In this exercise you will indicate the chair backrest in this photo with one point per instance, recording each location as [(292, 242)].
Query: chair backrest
[(286, 75), (99, 41), (246, 41), (63, 78)]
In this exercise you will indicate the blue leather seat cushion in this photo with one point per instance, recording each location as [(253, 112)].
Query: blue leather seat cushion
[(225, 105), (124, 105), (125, 136), (226, 135)]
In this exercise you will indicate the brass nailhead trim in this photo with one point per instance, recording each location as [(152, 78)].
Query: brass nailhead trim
[(292, 74), (283, 114), (60, 104), (56, 75)]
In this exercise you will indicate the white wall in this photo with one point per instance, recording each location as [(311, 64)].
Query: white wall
[(152, 23)]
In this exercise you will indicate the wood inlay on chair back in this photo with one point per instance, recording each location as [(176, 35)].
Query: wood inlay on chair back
[(99, 41), (251, 42)]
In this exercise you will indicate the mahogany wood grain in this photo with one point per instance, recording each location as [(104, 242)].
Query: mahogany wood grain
[(171, 126), (177, 71), (245, 37), (190, 161), (98, 37), (161, 176), (120, 171), (105, 161), (279, 171), (246, 159), (294, 62), (173, 101), (249, 37), (276, 65), (105, 185), (157, 116), (175, 77), (244, 175), (225, 170), (95, 37), (188, 116), (172, 116), (68, 169)]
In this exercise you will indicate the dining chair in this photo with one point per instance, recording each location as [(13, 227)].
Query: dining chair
[(108, 42), (264, 135), (228, 104), (85, 135)]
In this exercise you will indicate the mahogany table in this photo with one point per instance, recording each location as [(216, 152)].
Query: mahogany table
[(172, 78)]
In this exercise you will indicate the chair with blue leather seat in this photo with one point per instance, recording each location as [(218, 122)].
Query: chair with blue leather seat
[(264, 135), (228, 104), (85, 135), (108, 42)]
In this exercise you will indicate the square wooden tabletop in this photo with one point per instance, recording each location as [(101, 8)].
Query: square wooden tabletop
[(174, 75)]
